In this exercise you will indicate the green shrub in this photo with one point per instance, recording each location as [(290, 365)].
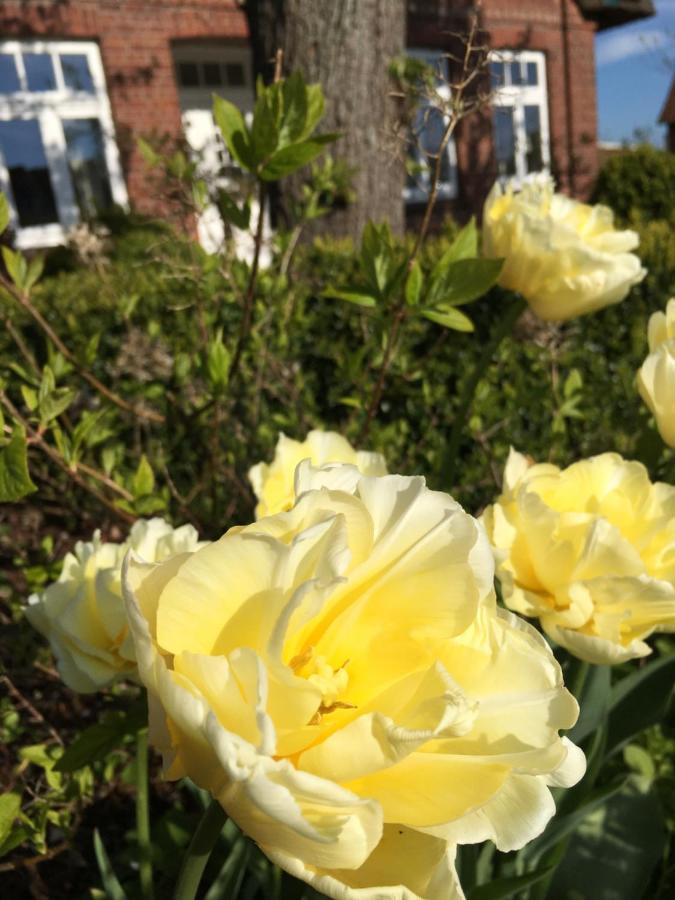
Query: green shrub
[(640, 180)]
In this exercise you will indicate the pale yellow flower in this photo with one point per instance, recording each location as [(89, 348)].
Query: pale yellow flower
[(82, 614), (340, 678), (656, 378), (565, 257), (589, 550), (273, 483)]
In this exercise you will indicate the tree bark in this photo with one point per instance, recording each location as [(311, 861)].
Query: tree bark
[(347, 46)]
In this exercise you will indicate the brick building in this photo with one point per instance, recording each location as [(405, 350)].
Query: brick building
[(80, 79)]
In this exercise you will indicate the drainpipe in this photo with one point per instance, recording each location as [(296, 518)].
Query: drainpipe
[(567, 67)]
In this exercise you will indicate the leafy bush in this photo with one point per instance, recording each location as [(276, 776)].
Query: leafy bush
[(638, 181)]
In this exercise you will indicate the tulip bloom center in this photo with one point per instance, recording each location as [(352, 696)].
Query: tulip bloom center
[(330, 681)]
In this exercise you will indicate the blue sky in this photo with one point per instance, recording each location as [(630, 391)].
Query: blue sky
[(633, 74)]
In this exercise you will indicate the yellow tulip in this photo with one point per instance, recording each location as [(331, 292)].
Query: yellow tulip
[(565, 257), (273, 483), (82, 614), (340, 678), (656, 378), (589, 550)]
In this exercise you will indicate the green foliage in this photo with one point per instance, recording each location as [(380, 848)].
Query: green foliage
[(638, 181), (15, 482)]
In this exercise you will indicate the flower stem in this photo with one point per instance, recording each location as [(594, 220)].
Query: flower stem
[(197, 856), (142, 815), (504, 327)]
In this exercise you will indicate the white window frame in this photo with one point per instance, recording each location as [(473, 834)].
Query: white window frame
[(48, 108), (447, 190), (517, 97)]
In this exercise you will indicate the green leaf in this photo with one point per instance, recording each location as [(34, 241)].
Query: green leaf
[(144, 480), (97, 741), (594, 703), (16, 266), (4, 213), (35, 269), (640, 700), (501, 888), (464, 281), (289, 159), (228, 880), (356, 297), (413, 285), (560, 826), (315, 108), (240, 218), (111, 884), (615, 850), (10, 804), (264, 131), (231, 123), (30, 397), (148, 154), (15, 481), (449, 318), (465, 246), (295, 97), (218, 361)]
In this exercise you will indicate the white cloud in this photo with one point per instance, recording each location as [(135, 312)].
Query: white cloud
[(617, 45)]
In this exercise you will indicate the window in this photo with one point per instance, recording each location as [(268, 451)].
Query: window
[(58, 159), (427, 130), (520, 113)]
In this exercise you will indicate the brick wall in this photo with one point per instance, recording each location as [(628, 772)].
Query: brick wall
[(135, 38)]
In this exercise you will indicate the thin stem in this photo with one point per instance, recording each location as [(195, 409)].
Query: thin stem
[(143, 815), (376, 397), (197, 856), (24, 300), (252, 281), (504, 327), (36, 438)]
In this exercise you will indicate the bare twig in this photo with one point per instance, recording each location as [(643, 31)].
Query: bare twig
[(35, 713), (25, 302), (36, 438)]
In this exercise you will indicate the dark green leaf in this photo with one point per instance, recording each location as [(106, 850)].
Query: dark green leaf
[(501, 888), (640, 700), (449, 318), (229, 210), (464, 281), (113, 888), (231, 123), (97, 741), (15, 481), (264, 132), (228, 880), (561, 826), (594, 703), (295, 99), (289, 159)]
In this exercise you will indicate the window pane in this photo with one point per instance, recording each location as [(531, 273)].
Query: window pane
[(86, 162), (39, 72), (532, 73), (76, 72), (497, 74), (505, 143), (234, 72), (24, 155), (9, 77), (428, 130), (188, 74), (533, 155), (516, 73), (212, 77)]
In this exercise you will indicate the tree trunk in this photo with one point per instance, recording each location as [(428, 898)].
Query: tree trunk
[(347, 46)]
